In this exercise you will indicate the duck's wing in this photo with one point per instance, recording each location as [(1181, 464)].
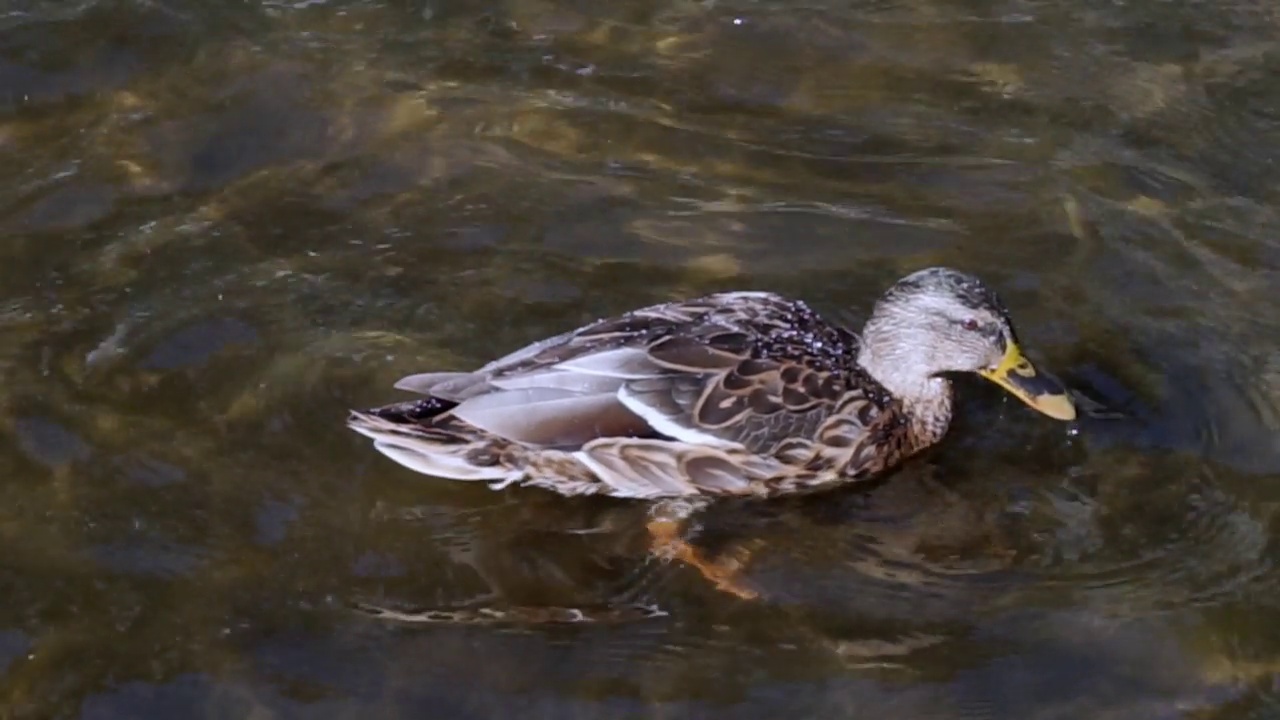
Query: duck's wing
[(733, 370)]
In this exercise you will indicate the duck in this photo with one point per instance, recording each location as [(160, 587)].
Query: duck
[(734, 394)]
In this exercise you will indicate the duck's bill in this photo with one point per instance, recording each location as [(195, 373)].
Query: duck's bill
[(1016, 374)]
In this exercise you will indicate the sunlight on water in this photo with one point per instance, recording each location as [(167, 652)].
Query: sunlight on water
[(224, 224)]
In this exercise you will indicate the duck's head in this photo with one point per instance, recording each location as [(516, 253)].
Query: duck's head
[(937, 321)]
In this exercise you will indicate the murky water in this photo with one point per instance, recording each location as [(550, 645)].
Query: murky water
[(223, 224)]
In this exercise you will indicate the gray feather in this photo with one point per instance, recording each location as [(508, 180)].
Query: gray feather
[(549, 416)]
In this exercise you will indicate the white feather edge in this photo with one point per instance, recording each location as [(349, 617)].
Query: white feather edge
[(667, 426), (625, 363), (622, 486), (443, 465)]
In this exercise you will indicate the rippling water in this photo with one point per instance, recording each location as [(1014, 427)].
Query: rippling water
[(223, 224)]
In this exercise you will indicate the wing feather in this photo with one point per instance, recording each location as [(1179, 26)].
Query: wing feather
[(549, 417), (731, 371)]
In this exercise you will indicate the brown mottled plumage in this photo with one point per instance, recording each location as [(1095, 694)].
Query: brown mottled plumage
[(739, 393)]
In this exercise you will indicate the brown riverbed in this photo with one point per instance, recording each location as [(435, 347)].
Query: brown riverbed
[(223, 224)]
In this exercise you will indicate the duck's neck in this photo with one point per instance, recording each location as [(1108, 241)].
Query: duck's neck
[(926, 399)]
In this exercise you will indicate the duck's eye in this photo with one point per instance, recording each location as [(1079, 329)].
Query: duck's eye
[(970, 324)]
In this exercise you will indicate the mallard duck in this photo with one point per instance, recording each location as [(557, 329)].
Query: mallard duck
[(731, 394)]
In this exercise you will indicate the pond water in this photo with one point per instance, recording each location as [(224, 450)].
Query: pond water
[(224, 224)]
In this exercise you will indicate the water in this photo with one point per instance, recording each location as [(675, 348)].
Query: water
[(223, 224)]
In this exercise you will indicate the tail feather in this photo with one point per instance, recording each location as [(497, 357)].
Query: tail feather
[(454, 386), (438, 452), (446, 446)]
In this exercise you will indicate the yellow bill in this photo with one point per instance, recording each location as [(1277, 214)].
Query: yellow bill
[(1016, 374)]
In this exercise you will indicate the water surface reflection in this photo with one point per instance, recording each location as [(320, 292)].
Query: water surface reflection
[(224, 224)]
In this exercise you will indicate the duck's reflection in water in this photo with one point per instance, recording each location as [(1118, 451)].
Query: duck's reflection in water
[(903, 558)]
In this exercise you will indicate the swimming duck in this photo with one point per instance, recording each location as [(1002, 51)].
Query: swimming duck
[(731, 394)]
